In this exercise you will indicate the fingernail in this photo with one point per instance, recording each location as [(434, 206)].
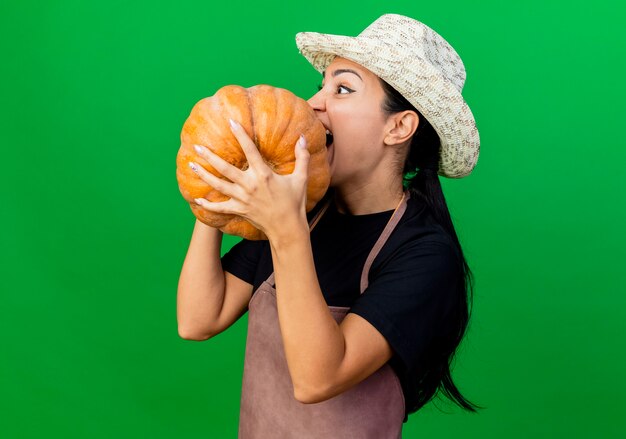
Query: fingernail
[(233, 124), (198, 149), (192, 165), (198, 200), (302, 142)]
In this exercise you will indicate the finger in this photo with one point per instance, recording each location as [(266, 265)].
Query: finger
[(229, 171), (255, 160), (223, 186), (227, 207), (302, 158)]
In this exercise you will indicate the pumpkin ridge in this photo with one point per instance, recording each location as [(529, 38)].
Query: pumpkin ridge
[(276, 133), (289, 114), (252, 117), (259, 94)]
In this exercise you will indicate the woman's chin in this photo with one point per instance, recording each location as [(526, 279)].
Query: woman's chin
[(330, 156), (331, 165), (330, 153)]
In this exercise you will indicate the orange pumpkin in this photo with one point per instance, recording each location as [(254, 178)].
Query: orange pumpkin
[(274, 118)]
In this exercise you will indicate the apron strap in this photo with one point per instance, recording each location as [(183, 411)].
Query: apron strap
[(391, 224)]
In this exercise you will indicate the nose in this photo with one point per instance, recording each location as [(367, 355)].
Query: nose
[(317, 101)]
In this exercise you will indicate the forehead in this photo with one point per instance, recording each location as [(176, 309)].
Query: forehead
[(344, 63)]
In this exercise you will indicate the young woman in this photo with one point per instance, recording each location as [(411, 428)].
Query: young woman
[(355, 309)]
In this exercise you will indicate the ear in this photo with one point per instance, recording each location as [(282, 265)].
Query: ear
[(400, 127)]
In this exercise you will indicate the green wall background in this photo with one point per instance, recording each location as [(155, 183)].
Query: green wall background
[(94, 230)]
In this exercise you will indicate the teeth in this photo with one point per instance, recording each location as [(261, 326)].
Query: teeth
[(328, 132)]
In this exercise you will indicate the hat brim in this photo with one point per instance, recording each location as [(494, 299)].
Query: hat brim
[(435, 97)]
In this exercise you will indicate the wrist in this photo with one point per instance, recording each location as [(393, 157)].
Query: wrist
[(288, 232)]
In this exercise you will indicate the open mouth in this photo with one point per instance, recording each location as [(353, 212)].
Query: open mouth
[(329, 138)]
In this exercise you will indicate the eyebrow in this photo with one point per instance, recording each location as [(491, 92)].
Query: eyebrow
[(340, 71)]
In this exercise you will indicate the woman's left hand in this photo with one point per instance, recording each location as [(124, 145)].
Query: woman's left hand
[(270, 201)]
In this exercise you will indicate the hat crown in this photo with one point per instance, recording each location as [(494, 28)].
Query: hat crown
[(409, 38)]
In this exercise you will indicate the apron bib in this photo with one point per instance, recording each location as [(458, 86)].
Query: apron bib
[(374, 408)]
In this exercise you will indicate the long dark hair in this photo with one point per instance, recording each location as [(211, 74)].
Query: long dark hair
[(421, 178)]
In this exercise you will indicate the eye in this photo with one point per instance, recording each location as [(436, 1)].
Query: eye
[(321, 86), (345, 88)]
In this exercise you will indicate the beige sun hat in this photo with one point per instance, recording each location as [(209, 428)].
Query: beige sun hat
[(422, 66)]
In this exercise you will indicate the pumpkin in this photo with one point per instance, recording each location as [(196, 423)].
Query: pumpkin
[(274, 118)]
